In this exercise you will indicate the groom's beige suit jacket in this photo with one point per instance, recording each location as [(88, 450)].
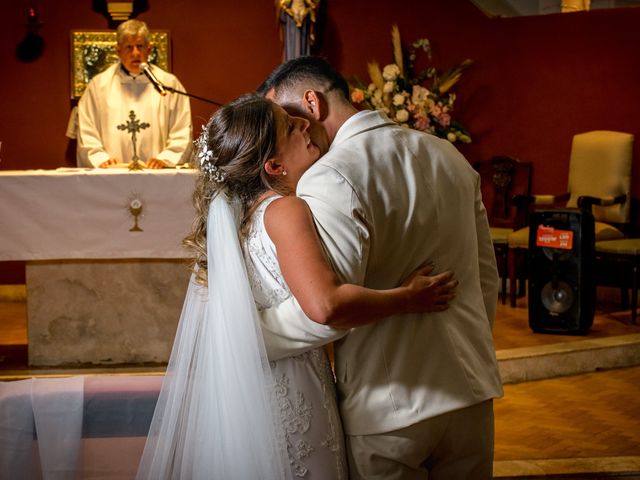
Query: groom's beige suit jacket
[(386, 200)]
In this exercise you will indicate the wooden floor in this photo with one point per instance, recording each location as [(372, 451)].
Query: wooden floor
[(578, 417), (590, 415), (512, 330)]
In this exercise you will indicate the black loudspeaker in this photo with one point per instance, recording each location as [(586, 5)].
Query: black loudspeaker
[(562, 287)]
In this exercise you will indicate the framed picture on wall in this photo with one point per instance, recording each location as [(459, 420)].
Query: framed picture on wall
[(94, 51)]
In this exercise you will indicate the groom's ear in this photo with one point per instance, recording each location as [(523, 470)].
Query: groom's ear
[(314, 104)]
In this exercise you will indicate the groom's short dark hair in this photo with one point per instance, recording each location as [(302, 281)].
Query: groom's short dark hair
[(307, 68)]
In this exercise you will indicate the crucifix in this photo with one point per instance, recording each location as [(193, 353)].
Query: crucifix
[(133, 126)]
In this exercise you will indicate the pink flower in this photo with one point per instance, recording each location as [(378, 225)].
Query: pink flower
[(421, 122), (444, 119)]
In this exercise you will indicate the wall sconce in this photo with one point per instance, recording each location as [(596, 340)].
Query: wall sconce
[(32, 46)]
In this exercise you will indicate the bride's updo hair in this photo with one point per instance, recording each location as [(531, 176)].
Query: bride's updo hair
[(230, 155)]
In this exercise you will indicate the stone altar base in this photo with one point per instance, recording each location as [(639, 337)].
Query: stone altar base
[(103, 312)]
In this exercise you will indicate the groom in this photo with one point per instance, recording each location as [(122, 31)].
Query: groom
[(415, 391)]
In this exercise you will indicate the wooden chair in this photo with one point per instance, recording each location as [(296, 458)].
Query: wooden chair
[(626, 252), (599, 182), (504, 178)]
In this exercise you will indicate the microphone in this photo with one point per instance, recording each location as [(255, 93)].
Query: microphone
[(152, 78)]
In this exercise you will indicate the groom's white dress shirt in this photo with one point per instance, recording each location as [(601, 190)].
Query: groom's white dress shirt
[(386, 200)]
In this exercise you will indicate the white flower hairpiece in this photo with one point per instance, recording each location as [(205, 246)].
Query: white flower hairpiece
[(205, 156)]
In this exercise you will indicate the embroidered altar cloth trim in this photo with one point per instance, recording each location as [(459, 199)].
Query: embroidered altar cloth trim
[(84, 214)]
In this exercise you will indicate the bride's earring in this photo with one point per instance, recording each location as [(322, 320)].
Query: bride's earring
[(284, 172)]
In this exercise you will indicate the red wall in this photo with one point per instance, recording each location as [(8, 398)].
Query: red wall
[(535, 82), (219, 50)]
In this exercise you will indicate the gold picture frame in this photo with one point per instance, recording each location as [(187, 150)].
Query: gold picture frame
[(94, 51)]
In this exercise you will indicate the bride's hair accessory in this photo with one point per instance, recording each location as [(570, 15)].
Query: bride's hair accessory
[(205, 156)]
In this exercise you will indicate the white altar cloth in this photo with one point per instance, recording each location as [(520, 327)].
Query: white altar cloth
[(84, 213)]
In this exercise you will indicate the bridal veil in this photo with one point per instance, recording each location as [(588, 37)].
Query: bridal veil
[(216, 417)]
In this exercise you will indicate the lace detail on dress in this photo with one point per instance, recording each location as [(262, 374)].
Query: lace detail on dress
[(295, 415), (262, 262), (334, 440), (313, 438)]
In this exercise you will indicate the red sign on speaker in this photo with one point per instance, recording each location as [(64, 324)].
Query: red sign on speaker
[(549, 237)]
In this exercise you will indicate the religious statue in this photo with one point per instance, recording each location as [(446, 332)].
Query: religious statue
[(133, 126), (297, 19), (575, 5)]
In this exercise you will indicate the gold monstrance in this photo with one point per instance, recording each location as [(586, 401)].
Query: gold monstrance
[(133, 126)]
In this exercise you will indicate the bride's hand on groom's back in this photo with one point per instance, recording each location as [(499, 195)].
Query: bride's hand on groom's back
[(429, 293)]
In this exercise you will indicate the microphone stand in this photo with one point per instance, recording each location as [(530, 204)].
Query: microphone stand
[(173, 90)]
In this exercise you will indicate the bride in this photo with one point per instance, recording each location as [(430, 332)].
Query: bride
[(224, 411)]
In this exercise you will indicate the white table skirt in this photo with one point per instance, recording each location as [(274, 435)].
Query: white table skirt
[(84, 214)]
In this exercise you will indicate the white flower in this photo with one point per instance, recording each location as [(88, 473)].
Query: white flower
[(407, 99), (419, 95), (135, 203), (391, 72), (398, 99), (402, 115)]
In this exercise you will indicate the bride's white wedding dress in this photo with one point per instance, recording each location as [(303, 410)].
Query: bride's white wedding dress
[(305, 390), (224, 412)]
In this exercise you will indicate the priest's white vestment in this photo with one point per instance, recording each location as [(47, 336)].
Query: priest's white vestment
[(107, 102)]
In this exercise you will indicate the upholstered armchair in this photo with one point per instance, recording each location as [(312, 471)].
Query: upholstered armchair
[(504, 178), (599, 181)]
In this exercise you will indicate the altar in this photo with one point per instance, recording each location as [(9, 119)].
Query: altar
[(106, 271)]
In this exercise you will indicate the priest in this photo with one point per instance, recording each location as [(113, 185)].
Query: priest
[(123, 88)]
